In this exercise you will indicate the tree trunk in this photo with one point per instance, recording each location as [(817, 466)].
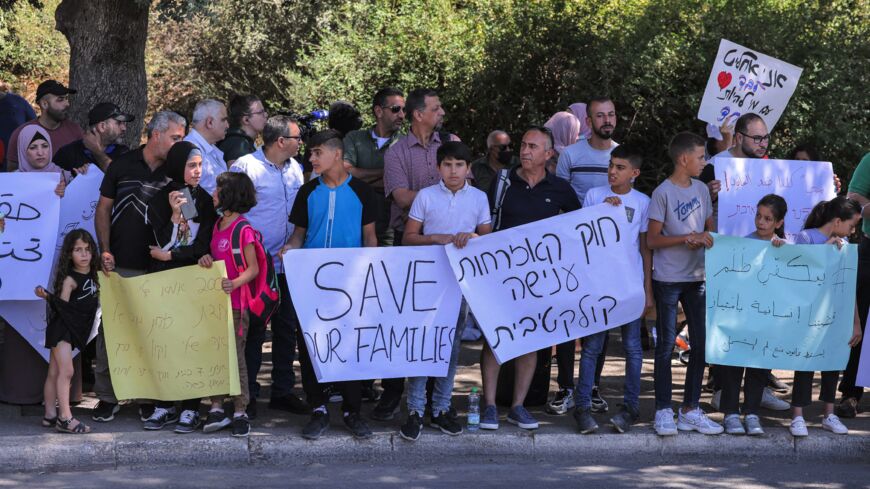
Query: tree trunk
[(107, 57)]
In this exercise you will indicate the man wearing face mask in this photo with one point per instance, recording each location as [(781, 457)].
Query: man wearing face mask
[(498, 156)]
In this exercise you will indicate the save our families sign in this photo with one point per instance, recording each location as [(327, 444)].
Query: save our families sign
[(375, 312), (553, 280), (744, 80), (789, 308), (744, 181)]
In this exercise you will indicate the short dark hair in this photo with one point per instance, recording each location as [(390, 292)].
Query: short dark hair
[(417, 100), (236, 192), (629, 153), (383, 94), (240, 106), (276, 126), (453, 149), (683, 143), (807, 148), (742, 124), (329, 138), (343, 117), (546, 132), (598, 99)]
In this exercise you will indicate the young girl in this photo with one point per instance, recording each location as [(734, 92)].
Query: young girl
[(828, 223), (73, 306), (234, 195), (769, 226)]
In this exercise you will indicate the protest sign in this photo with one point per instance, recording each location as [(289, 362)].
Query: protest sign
[(551, 281), (863, 378), (370, 313), (788, 308), (31, 209), (30, 321), (79, 204), (169, 335), (743, 80), (802, 184)]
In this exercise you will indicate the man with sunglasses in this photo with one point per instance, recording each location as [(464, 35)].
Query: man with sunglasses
[(247, 119), (277, 177), (364, 151), (498, 156)]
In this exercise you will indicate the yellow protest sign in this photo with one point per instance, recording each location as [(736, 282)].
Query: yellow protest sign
[(169, 335)]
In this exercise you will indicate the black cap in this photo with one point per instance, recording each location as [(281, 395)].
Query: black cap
[(53, 87), (107, 110)]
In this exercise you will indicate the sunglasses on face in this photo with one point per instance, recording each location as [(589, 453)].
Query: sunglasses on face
[(395, 108)]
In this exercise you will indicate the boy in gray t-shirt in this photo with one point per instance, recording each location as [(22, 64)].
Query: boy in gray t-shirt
[(680, 216)]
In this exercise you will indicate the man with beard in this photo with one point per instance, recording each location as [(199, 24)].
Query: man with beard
[(584, 163), (102, 142), (499, 156), (54, 105)]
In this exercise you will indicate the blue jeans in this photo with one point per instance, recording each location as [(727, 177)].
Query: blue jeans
[(443, 386), (692, 295), (593, 345), (284, 324)]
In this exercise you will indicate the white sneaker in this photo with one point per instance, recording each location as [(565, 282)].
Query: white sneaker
[(697, 420), (798, 427), (717, 396), (770, 401), (833, 424), (664, 424)]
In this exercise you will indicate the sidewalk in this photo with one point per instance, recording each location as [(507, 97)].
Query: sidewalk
[(275, 435)]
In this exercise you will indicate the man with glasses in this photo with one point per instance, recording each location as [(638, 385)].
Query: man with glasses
[(277, 177), (364, 151), (247, 119), (498, 156)]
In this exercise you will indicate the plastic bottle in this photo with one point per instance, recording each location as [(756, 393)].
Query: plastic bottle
[(473, 410)]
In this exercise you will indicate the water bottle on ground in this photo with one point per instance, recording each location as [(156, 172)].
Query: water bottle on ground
[(473, 410)]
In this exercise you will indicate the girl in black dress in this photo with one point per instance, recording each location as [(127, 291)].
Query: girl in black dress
[(73, 307)]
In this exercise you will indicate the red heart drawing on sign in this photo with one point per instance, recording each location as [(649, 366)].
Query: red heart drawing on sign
[(724, 79)]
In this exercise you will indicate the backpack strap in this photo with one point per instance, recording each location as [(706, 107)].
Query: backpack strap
[(504, 182), (236, 244)]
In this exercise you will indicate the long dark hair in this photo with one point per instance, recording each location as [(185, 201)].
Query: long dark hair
[(825, 212), (779, 208), (65, 264)]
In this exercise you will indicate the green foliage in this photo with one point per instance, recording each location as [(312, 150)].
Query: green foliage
[(30, 47)]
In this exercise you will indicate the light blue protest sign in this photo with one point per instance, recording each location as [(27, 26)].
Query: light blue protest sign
[(787, 308)]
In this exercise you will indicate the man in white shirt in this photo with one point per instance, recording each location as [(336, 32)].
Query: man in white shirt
[(209, 125)]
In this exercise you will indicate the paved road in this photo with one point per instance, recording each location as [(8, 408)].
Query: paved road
[(626, 473)]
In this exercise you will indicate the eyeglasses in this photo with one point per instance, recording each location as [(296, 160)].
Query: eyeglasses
[(298, 138), (395, 108), (757, 139), (257, 113)]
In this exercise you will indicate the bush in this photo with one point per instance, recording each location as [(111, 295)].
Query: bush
[(30, 48)]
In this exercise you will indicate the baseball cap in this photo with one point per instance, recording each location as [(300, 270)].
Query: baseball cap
[(53, 87), (107, 110)]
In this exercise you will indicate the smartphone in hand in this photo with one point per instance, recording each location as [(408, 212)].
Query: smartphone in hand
[(188, 209)]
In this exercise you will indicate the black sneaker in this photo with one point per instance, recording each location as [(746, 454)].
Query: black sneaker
[(412, 428), (105, 411), (599, 405), (317, 426), (188, 422), (776, 384), (847, 408), (145, 411), (357, 426), (215, 421), (447, 423), (241, 425), (585, 422), (160, 418), (333, 394), (251, 410), (289, 403), (622, 422), (370, 394), (386, 409)]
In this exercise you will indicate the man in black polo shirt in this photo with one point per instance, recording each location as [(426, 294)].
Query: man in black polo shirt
[(122, 233), (532, 194), (101, 143)]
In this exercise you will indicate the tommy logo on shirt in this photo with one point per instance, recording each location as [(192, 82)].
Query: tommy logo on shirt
[(223, 244), (685, 209)]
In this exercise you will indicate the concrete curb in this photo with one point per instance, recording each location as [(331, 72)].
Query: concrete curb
[(56, 452)]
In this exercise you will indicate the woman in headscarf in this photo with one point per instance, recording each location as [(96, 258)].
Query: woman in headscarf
[(180, 240), (34, 155), (579, 111), (566, 130)]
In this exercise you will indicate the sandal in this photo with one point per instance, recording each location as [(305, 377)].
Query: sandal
[(49, 422), (63, 425)]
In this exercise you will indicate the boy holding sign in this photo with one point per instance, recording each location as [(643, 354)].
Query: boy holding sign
[(450, 212), (333, 211)]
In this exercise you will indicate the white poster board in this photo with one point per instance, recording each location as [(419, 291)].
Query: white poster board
[(79, 204), (743, 80)]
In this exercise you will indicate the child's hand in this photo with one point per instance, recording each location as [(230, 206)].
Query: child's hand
[(856, 335), (107, 263), (176, 200), (442, 239), (461, 239), (706, 240), (613, 200), (227, 285), (205, 261), (61, 187), (650, 302), (836, 241), (159, 254), (40, 292), (82, 170), (777, 242)]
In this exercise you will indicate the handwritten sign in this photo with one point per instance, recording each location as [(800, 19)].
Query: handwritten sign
[(169, 335), (745, 181), (744, 80), (551, 281), (31, 209), (79, 204), (863, 378), (30, 321), (788, 308), (371, 313)]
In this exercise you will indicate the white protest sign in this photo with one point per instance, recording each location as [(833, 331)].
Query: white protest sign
[(369, 313), (745, 181), (551, 281), (744, 81), (31, 209), (79, 204), (29, 319)]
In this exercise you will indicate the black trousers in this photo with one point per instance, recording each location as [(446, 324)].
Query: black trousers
[(802, 390), (315, 394), (847, 385), (730, 379)]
